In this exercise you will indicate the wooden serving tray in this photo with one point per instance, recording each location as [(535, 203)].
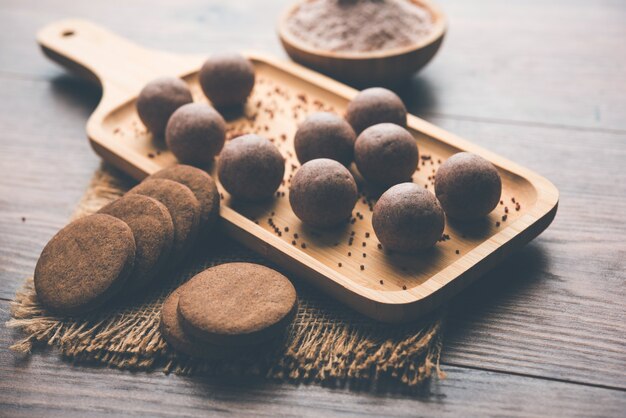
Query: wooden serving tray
[(347, 262)]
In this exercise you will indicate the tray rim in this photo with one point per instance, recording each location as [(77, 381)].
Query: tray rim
[(400, 298), (386, 306)]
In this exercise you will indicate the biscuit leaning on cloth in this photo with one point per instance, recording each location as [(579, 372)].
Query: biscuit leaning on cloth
[(120, 250), (228, 309), (85, 264), (182, 205), (153, 230), (202, 186)]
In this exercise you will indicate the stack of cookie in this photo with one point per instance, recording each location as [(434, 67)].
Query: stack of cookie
[(124, 247), (232, 308)]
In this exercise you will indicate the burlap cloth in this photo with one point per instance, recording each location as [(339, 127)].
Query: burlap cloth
[(327, 343)]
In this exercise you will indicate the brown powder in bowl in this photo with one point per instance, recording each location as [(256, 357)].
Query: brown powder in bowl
[(359, 25)]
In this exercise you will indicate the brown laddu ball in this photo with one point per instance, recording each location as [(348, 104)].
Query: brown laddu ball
[(468, 186), (375, 105), (227, 79), (325, 135), (408, 218), (195, 133), (250, 168), (159, 99), (386, 154), (323, 193)]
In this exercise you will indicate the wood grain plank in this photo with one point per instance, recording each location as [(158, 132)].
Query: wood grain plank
[(46, 385), (530, 62), (523, 62), (45, 166), (556, 309)]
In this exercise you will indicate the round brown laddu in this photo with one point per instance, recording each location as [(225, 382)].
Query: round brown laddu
[(195, 133), (159, 99), (468, 186), (84, 264), (325, 135), (184, 209), (386, 154), (250, 167), (237, 304), (323, 193), (153, 231), (203, 187), (373, 106), (227, 79), (408, 218)]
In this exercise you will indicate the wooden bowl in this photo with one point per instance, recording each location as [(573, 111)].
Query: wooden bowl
[(365, 69)]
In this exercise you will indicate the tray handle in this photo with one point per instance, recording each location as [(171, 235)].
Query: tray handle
[(103, 57)]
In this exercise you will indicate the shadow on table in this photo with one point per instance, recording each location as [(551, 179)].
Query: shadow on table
[(76, 93), (503, 285)]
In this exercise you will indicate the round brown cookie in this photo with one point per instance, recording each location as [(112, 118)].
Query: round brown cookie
[(173, 332), (84, 264), (237, 304), (202, 186), (183, 207), (153, 230)]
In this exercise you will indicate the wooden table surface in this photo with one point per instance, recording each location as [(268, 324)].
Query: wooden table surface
[(541, 82)]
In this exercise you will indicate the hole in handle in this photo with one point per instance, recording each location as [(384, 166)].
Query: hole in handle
[(67, 33)]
